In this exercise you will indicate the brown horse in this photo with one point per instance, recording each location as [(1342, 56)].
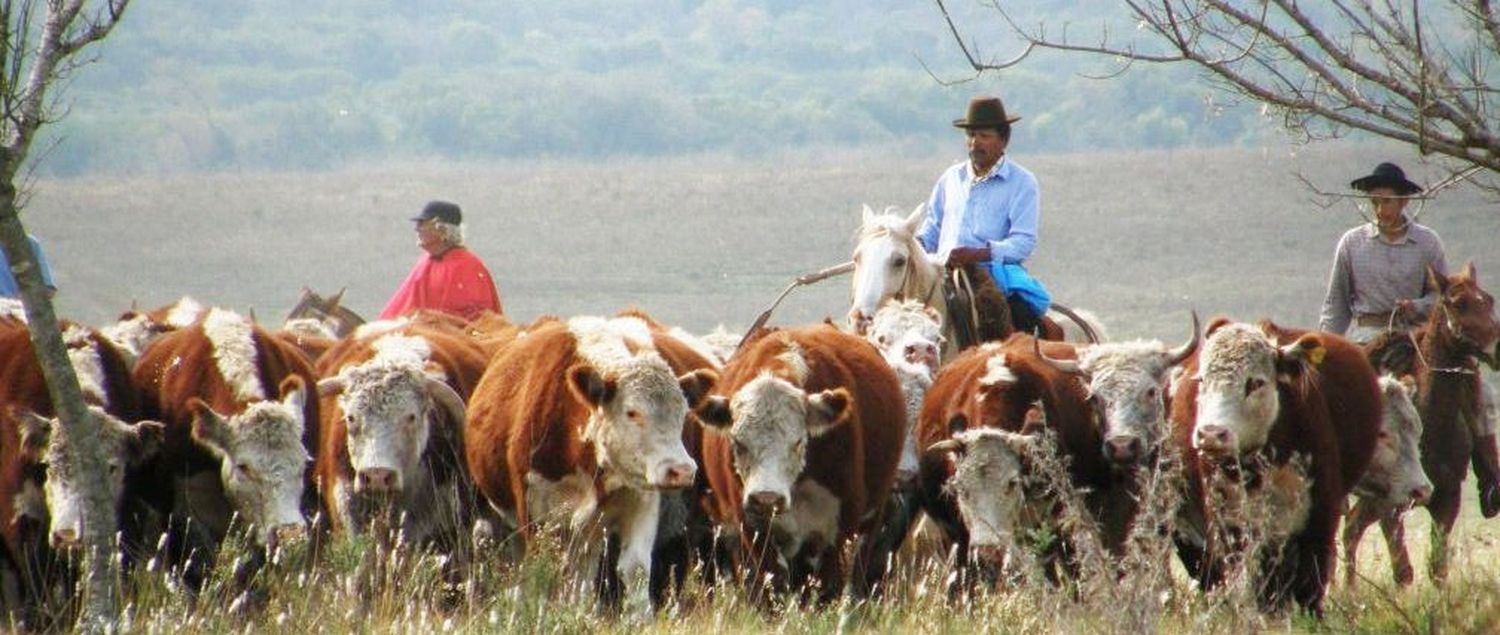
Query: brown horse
[(326, 311), (1460, 331)]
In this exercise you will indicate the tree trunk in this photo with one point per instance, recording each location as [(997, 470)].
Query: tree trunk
[(99, 610)]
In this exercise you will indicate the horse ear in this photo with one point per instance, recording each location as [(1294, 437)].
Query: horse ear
[(333, 302), (1437, 281), (1471, 273), (914, 221), (867, 215)]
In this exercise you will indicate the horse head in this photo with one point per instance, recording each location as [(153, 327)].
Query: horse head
[(1464, 315), (889, 262)]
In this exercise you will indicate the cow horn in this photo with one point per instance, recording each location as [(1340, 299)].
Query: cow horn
[(947, 445), (447, 397), (333, 301), (1069, 366), (1181, 353)]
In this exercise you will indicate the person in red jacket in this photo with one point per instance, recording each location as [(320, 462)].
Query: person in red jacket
[(448, 277)]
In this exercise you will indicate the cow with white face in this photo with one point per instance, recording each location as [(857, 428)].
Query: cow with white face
[(1393, 483), (586, 406), (125, 447), (985, 471), (262, 462), (806, 434), (1129, 384), (1237, 394)]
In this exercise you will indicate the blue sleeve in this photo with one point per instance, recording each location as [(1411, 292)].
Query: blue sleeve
[(928, 233), (41, 261), (1024, 214)]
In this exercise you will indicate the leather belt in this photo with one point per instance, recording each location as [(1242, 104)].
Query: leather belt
[(1373, 320)]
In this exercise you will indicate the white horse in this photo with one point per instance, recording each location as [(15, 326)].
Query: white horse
[(889, 262)]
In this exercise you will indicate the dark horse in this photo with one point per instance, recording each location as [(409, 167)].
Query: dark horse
[(326, 311), (1444, 357)]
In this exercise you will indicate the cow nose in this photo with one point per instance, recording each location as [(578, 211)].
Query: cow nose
[(1123, 449), (924, 353), (378, 480), (1420, 494), (990, 555), (764, 503), (679, 476), (65, 538), (1213, 438)]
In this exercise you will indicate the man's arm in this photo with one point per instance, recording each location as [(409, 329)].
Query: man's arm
[(927, 234), (1025, 214), (1439, 263), (1337, 313)]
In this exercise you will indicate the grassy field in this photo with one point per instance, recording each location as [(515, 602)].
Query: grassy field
[(1139, 238)]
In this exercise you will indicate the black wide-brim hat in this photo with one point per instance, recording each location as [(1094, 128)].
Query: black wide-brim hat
[(1387, 175), (442, 211), (986, 112)]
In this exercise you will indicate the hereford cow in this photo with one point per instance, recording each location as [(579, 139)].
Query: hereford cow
[(393, 419), (1393, 482), (136, 330), (581, 422), (1296, 419), (240, 427), (40, 503), (1002, 387), (807, 432)]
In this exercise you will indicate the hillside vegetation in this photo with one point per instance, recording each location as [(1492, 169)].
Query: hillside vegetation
[(189, 86)]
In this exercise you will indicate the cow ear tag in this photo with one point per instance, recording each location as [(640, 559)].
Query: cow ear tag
[(1316, 355)]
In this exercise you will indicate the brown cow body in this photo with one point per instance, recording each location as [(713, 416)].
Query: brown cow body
[(809, 428), (28, 530), (241, 426), (1296, 422), (405, 389), (579, 423)]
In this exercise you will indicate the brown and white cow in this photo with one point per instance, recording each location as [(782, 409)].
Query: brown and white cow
[(393, 420), (1393, 482), (136, 330), (1300, 415), (40, 501), (806, 433), (582, 422), (241, 423), (1003, 387)]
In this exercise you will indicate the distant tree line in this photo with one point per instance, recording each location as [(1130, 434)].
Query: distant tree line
[(283, 84)]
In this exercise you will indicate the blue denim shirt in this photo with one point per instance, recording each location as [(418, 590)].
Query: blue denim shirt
[(1001, 210), (8, 286)]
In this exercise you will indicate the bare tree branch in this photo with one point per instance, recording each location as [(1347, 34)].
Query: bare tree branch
[(1378, 66)]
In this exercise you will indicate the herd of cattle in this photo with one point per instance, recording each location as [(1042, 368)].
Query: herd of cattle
[(764, 462)]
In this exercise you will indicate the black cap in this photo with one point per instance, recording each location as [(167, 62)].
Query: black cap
[(442, 211), (1386, 175)]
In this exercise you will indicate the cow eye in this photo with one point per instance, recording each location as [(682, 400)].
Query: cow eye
[(1011, 484), (633, 415), (882, 341), (739, 448), (1253, 384), (1150, 394)]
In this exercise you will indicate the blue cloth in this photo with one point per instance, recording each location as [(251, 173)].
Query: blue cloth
[(1015, 281), (8, 286), (1000, 211)]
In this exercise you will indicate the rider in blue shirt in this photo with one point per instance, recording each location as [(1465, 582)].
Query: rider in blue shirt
[(986, 210), (8, 286)]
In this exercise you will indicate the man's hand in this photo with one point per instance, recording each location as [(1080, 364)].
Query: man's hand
[(961, 256), (1406, 311)]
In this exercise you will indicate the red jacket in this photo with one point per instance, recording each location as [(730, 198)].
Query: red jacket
[(456, 282)]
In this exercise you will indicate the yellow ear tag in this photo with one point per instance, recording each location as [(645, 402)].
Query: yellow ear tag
[(1316, 355)]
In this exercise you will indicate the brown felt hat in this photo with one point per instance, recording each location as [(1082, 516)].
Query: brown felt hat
[(986, 112)]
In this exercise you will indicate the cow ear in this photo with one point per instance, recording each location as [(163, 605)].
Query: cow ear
[(1216, 324), (146, 440), (210, 430), (293, 392), (956, 424), (1268, 327), (714, 412), (826, 410), (695, 385), (330, 386), (589, 386), (1307, 352), (35, 432)]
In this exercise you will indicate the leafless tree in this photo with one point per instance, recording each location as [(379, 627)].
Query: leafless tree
[(1421, 72), (42, 46)]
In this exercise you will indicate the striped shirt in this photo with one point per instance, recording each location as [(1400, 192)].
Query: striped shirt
[(1370, 274)]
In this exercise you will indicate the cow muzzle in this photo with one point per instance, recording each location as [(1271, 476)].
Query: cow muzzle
[(675, 476), (1124, 449), (1214, 440), (377, 480), (65, 539), (287, 534), (764, 505), (924, 353)]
